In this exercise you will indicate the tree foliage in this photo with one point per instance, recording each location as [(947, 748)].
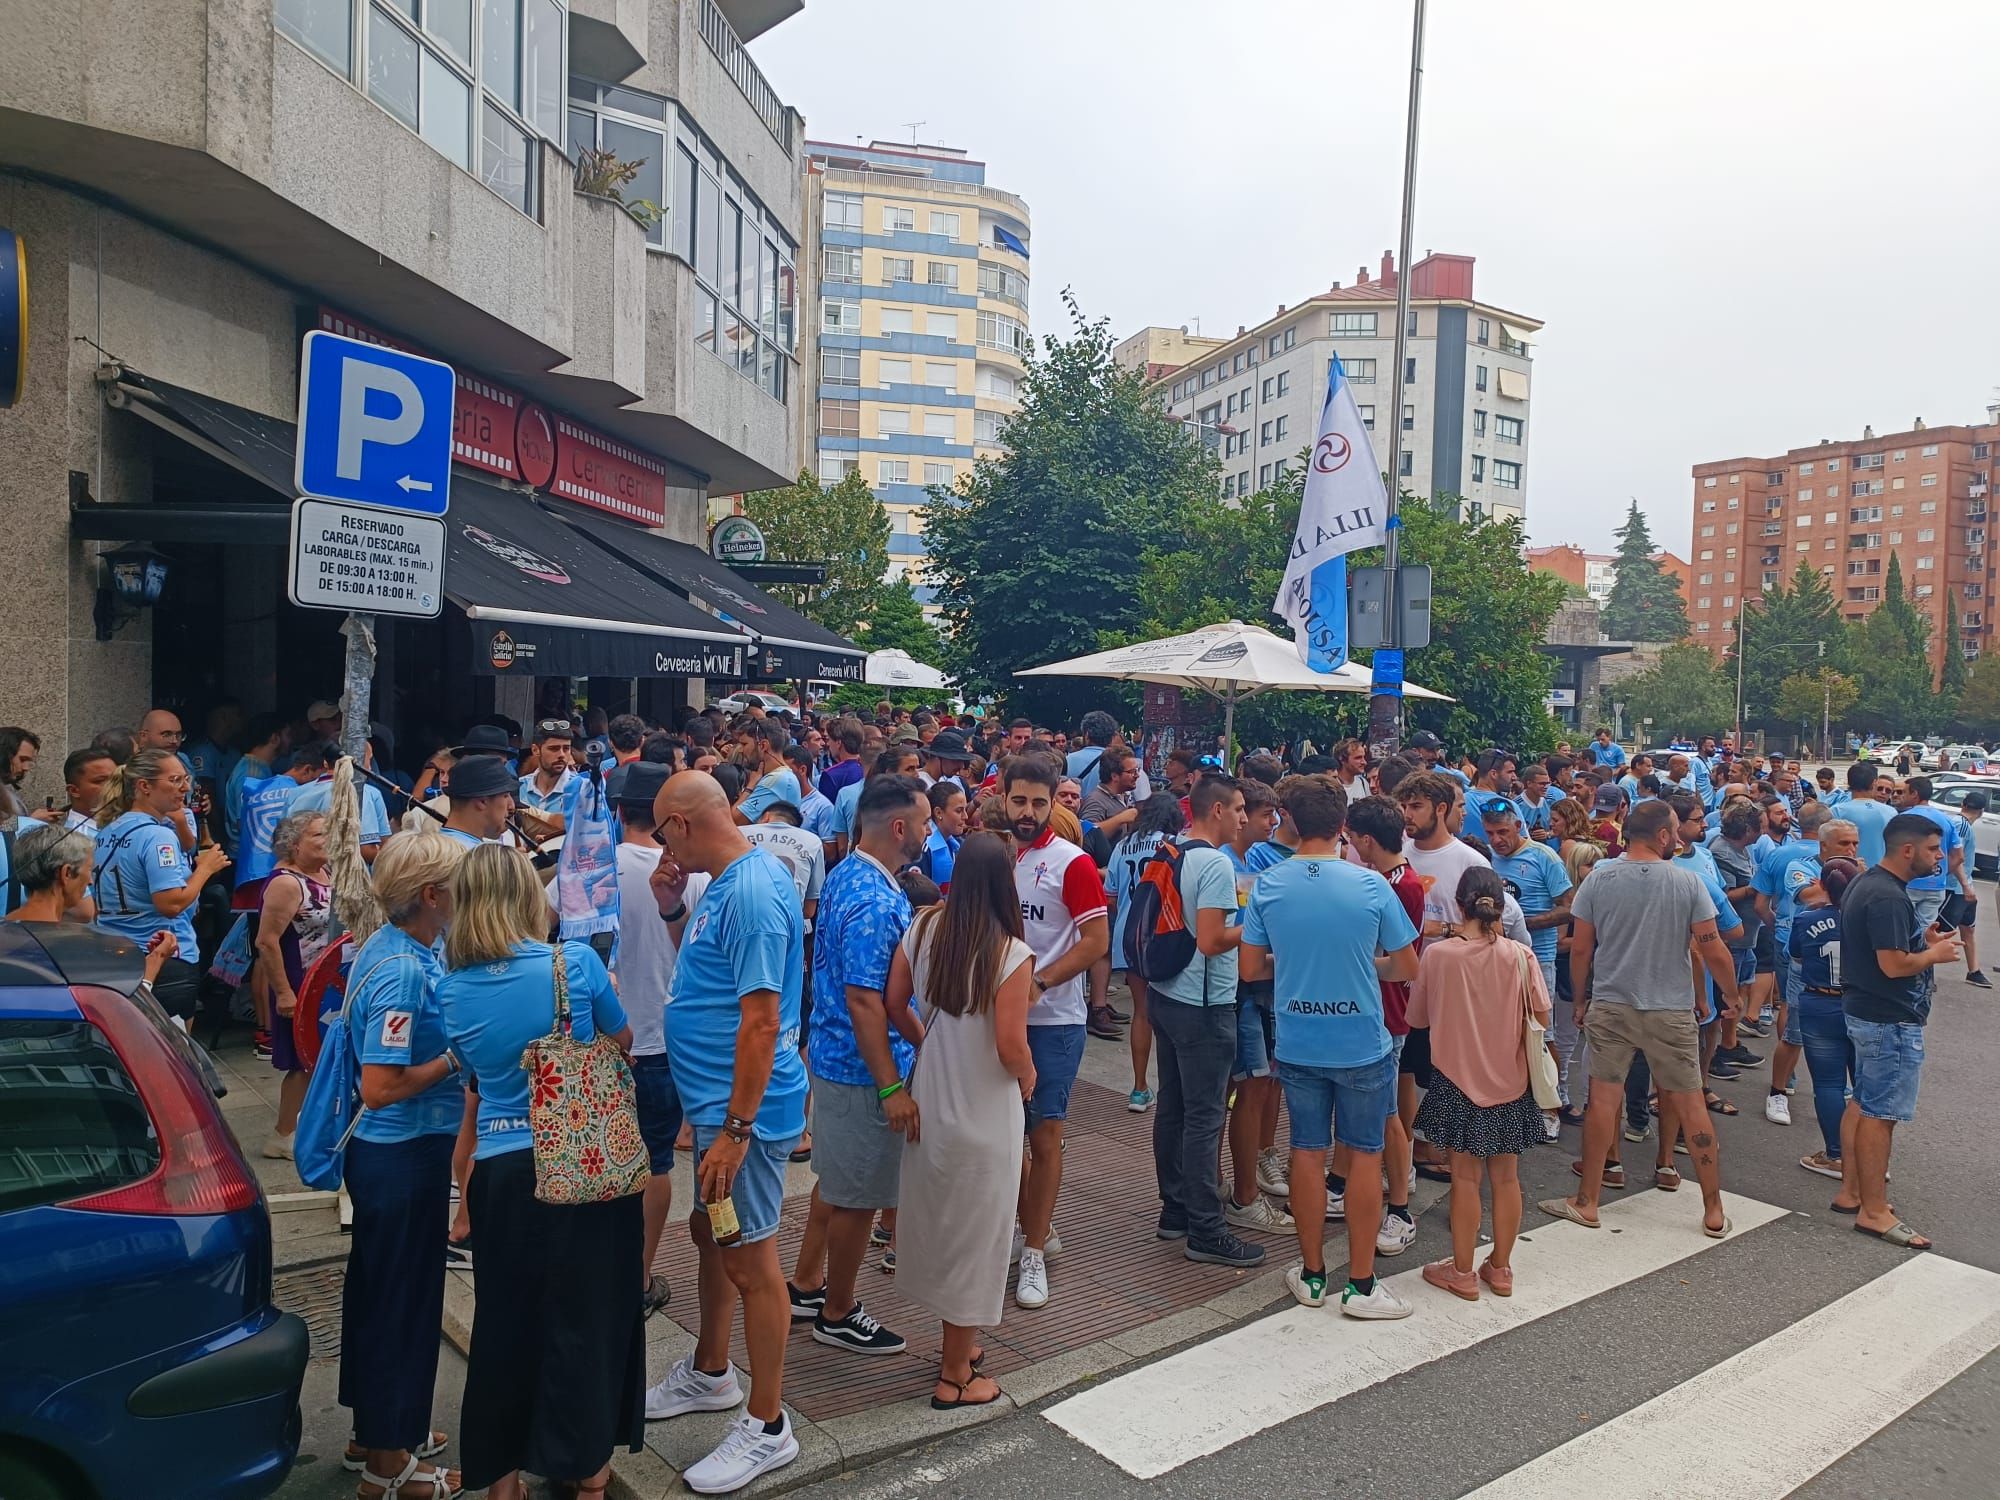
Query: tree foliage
[(1808, 699), (1951, 672), (897, 623), (1793, 628), (842, 525), (1645, 602), (1684, 693), (1037, 556), (1979, 704), (1891, 651)]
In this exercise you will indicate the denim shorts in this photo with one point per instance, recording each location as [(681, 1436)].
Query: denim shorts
[(1351, 1105), (1256, 1032), (758, 1192), (1746, 968), (1928, 905), (659, 1110), (1058, 1053), (1888, 1057)]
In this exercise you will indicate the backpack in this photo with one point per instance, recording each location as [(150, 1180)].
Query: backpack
[(332, 1109), (1157, 934)]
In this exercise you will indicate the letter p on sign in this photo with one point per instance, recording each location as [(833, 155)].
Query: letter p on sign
[(375, 425)]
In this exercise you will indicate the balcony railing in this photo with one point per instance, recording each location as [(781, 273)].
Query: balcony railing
[(728, 49)]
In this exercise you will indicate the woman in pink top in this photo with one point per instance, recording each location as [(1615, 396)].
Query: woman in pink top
[(1479, 1107)]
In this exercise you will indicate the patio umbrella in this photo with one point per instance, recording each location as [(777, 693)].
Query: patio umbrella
[(893, 668), (1229, 662)]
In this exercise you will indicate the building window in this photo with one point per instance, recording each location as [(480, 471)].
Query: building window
[(1264, 477), (894, 218), (1291, 337), (941, 424), (1281, 428), (998, 331), (1925, 564), (1236, 364), (839, 316), (944, 273), (843, 211), (939, 325), (1707, 554), (1833, 492), (1928, 507), (839, 367), (1367, 416), (1409, 419), (834, 467), (890, 372), (1243, 482), (1706, 578), (840, 418), (1264, 434), (1408, 465), (1479, 468), (1479, 428), (898, 268), (1350, 326), (1271, 350), (1000, 281), (1479, 382), (898, 320), (1410, 370), (1896, 483), (1701, 627), (996, 383), (842, 263), (1833, 466), (945, 224), (891, 421), (1929, 481), (892, 471), (1508, 430), (1485, 331), (1284, 382), (1506, 475), (1927, 534), (1806, 469), (1229, 486), (1359, 371), (1708, 531), (1708, 507), (1270, 388), (986, 426)]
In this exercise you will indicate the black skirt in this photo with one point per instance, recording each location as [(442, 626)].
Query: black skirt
[(1453, 1122), (556, 1375)]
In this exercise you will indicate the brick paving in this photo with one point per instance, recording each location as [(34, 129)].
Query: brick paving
[(1113, 1276)]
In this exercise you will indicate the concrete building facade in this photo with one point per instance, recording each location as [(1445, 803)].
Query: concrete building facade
[(196, 193), (1256, 399), (922, 271), (1596, 573), (1845, 505)]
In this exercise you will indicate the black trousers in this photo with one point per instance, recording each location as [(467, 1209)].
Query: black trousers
[(1197, 1049), (394, 1301)]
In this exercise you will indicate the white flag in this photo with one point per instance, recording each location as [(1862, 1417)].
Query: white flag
[(1345, 509)]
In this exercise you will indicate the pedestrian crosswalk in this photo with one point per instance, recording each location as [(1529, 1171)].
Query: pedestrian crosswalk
[(1770, 1416)]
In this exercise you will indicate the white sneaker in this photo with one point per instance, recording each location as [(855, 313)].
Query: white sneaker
[(1395, 1236), (747, 1451), (1303, 1291), (686, 1389), (1380, 1304), (1260, 1214), (1032, 1287), (1551, 1128), (1049, 1251), (1777, 1109), (1274, 1171), (1336, 1206), (278, 1147)]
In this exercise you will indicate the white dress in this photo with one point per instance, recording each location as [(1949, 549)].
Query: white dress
[(955, 1222)]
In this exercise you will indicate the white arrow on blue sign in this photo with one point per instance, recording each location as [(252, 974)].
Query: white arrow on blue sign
[(375, 425)]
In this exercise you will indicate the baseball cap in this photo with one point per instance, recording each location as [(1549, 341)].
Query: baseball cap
[(319, 708), (1608, 799), (1423, 739)]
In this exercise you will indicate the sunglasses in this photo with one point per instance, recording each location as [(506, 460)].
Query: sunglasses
[(553, 726)]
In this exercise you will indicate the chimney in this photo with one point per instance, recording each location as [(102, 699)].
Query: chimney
[(1336, 287), (1867, 433), (1280, 312), (1388, 266), (1361, 276), (1240, 330), (1918, 425)]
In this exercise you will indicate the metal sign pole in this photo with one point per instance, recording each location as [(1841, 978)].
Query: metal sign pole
[(360, 680)]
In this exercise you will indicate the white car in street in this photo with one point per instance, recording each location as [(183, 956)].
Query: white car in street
[(1950, 792), (737, 702)]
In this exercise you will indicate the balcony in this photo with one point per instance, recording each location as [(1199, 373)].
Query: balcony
[(728, 48)]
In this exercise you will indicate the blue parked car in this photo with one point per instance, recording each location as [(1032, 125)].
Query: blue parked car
[(140, 1353)]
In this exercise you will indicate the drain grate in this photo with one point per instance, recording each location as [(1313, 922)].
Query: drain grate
[(314, 1293)]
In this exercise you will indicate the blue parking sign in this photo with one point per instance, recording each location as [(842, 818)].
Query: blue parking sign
[(374, 425)]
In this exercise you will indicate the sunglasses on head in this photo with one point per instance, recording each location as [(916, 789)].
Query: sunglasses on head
[(553, 726)]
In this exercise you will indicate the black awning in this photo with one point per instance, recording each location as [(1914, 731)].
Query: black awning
[(789, 644), (546, 602), (258, 445)]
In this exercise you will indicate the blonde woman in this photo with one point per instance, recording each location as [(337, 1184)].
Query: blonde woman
[(294, 922), (398, 1167), (555, 1376)]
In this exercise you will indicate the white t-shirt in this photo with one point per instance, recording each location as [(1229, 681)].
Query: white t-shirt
[(1060, 890), (646, 951), (1439, 869), (802, 854)]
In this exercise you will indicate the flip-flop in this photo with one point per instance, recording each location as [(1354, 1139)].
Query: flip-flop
[(1898, 1234), (1718, 1234), (1562, 1208), (960, 1387)]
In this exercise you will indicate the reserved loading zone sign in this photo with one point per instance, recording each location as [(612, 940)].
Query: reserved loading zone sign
[(361, 558)]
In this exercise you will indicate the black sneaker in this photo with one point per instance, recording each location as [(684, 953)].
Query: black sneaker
[(1720, 1069), (1739, 1056), (857, 1333), (1224, 1250), (1978, 980), (1171, 1228), (1754, 1028), (657, 1295), (806, 1304)]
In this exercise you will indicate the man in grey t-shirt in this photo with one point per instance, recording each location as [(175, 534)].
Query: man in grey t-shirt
[(1636, 920)]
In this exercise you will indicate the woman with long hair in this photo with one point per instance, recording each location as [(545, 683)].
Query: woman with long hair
[(1470, 991), (398, 1167), (294, 923), (1570, 820), (969, 971), (1159, 818), (556, 1373)]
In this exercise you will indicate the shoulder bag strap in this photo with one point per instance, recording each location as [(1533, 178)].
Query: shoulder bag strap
[(562, 992)]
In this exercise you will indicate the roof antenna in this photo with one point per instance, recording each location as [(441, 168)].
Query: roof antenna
[(913, 126)]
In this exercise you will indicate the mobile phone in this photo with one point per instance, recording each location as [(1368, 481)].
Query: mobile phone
[(48, 804)]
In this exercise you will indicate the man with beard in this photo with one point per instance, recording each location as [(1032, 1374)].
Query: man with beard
[(1063, 919)]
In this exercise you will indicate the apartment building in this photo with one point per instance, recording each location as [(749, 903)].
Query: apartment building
[(1154, 352), (923, 323), (196, 193), (1845, 505), (1468, 378), (1596, 573)]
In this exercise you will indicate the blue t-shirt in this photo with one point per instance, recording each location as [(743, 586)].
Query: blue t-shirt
[(1535, 816), (1949, 826), (1870, 817), (844, 808), (1727, 922), (1075, 764), (1606, 755), (1208, 883), (1815, 948), (1538, 880), (747, 933), (529, 795), (493, 1011), (863, 915), (837, 778), (138, 856), (246, 773), (816, 815), (459, 835), (1264, 854), (317, 796), (1324, 921), (1477, 800), (940, 853), (1782, 872), (772, 787), (1127, 860), (394, 1018)]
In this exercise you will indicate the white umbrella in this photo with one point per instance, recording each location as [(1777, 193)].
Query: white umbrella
[(1229, 662), (893, 668)]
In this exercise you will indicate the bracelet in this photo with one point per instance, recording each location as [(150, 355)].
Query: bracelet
[(881, 1094), (738, 1136), (736, 1125), (679, 913)]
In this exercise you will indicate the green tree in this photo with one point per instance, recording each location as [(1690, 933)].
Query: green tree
[(1951, 673), (1037, 556), (1645, 603), (1684, 693), (898, 624), (1979, 704), (1788, 630), (842, 525), (1808, 699), (1890, 650)]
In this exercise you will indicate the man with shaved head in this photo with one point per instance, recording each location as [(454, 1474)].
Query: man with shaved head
[(733, 1047)]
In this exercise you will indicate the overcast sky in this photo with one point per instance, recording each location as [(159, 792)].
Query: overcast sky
[(1747, 226)]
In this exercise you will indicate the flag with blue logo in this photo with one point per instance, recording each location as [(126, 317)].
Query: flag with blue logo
[(1344, 510), (587, 869)]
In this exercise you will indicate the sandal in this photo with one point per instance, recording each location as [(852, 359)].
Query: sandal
[(1562, 1208), (1851, 1212), (962, 1386), (1718, 1104), (355, 1459), (1898, 1234), (441, 1487), (1614, 1173), (1667, 1179)]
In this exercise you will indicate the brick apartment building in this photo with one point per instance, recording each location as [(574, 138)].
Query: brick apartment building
[(1596, 573), (1846, 505)]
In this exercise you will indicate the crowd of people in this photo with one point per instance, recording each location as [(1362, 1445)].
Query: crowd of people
[(881, 945)]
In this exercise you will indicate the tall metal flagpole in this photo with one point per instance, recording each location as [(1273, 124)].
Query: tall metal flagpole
[(1385, 708)]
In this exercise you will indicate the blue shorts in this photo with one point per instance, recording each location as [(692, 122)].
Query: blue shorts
[(1929, 905), (1888, 1057), (759, 1189), (659, 1110), (1746, 968), (1256, 1032), (1351, 1105), (1058, 1053)]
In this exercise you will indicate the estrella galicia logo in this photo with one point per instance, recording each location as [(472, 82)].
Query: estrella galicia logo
[(502, 650)]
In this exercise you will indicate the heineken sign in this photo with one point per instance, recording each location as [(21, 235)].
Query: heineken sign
[(736, 539)]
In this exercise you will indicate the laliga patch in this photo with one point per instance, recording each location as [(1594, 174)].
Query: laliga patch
[(169, 856), (396, 1029)]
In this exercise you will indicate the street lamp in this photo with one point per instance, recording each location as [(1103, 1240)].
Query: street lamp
[(132, 577)]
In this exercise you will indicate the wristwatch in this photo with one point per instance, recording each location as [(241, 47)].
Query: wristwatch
[(1041, 984)]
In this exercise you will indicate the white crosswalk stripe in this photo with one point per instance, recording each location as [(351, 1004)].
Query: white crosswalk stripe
[(1200, 1401), (1782, 1410)]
